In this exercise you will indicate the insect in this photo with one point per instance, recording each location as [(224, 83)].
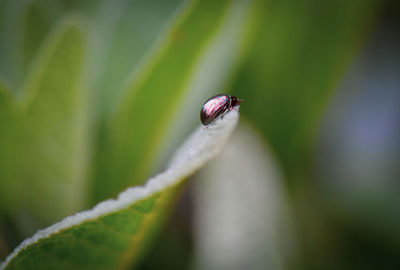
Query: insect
[(216, 106)]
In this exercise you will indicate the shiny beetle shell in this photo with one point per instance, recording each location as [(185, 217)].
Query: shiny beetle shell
[(217, 105)]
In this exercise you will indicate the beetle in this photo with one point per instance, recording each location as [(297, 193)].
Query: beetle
[(217, 105)]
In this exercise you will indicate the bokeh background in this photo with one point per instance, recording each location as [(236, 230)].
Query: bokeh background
[(311, 178)]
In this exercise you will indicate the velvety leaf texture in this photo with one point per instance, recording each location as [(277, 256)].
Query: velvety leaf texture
[(115, 232)]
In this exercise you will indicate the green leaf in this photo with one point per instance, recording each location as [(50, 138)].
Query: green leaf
[(240, 196), (12, 15), (35, 26), (147, 108), (115, 232), (8, 123), (23, 28), (301, 51), (120, 41), (46, 144)]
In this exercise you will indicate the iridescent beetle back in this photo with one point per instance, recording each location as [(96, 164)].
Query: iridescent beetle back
[(216, 106)]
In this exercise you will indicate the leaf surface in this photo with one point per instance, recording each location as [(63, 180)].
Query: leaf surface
[(241, 216), (116, 231)]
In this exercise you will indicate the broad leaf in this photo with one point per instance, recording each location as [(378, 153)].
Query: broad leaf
[(120, 40), (241, 217), (46, 143), (116, 231), (23, 27), (35, 26), (146, 109)]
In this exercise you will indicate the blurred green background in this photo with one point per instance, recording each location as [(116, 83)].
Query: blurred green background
[(87, 112)]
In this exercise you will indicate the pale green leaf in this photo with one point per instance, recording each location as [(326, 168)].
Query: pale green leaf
[(115, 232), (35, 26), (241, 215), (46, 144), (120, 40), (23, 26)]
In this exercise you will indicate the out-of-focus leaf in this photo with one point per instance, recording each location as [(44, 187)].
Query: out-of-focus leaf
[(12, 16), (35, 26), (22, 29), (116, 232), (45, 137), (120, 40), (24, 26), (241, 219), (8, 116), (301, 50), (359, 148), (143, 115)]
